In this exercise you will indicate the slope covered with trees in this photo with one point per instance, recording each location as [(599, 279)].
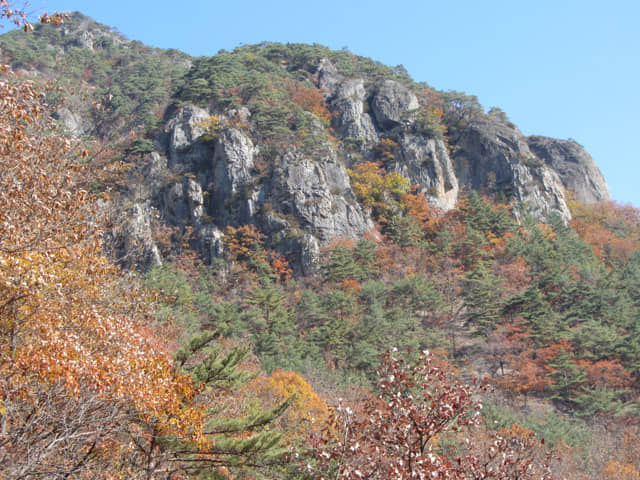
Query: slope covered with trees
[(243, 364)]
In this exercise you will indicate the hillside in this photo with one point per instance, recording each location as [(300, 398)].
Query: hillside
[(315, 209)]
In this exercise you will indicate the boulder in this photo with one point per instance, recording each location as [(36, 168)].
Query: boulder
[(392, 104)]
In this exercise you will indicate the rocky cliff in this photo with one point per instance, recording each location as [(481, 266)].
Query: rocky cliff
[(302, 199), (267, 134)]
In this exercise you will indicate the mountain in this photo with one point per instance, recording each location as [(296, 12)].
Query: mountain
[(267, 135), (296, 211)]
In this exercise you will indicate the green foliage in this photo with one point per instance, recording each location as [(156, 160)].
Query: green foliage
[(592, 402), (254, 77), (351, 263), (245, 440), (171, 283), (554, 427), (121, 86), (481, 215), (483, 299)]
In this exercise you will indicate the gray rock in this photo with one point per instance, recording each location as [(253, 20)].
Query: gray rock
[(233, 176), (575, 167), (73, 122), (350, 119), (85, 40), (426, 163), (270, 223), (194, 198), (392, 104), (132, 239), (494, 158), (212, 243), (156, 167), (317, 193), (183, 130), (176, 208), (183, 202), (327, 76), (309, 254), (538, 190)]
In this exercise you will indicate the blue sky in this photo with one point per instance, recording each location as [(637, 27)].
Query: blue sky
[(561, 68)]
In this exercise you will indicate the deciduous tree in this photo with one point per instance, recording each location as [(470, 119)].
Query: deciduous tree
[(399, 431)]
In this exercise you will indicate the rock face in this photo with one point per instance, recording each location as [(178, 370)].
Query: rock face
[(132, 239), (494, 157), (575, 167), (184, 129), (183, 202), (327, 76), (233, 173), (290, 120), (351, 120), (392, 103), (318, 194), (73, 122), (426, 163), (300, 196), (299, 202)]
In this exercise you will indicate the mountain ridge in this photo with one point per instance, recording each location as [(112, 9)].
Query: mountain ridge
[(316, 209), (268, 134)]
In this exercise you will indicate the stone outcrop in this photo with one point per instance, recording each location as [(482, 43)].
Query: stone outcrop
[(300, 202), (73, 122), (301, 199), (426, 163), (392, 104), (183, 130), (233, 175), (493, 157), (318, 194), (131, 239), (183, 202), (327, 76), (575, 167), (351, 119)]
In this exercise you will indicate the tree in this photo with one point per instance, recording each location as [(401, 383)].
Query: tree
[(87, 386), (20, 18), (307, 413), (377, 189), (401, 431), (78, 361), (483, 298)]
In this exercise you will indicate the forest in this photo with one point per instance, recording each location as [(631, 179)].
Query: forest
[(473, 343)]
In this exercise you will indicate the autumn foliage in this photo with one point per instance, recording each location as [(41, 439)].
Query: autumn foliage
[(307, 413), (73, 339), (87, 387), (309, 99), (612, 230), (422, 422)]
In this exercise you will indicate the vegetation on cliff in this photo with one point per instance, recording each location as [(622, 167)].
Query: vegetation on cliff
[(376, 364)]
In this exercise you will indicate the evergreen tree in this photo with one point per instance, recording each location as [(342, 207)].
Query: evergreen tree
[(232, 438)]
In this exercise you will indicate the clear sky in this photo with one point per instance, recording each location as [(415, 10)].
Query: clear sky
[(561, 68)]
